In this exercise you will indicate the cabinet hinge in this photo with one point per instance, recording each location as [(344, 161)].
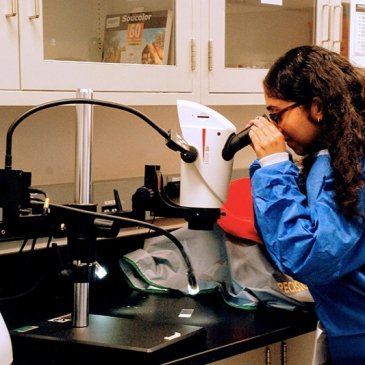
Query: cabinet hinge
[(193, 54), (210, 56)]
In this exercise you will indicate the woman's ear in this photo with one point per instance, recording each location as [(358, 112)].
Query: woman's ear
[(317, 109)]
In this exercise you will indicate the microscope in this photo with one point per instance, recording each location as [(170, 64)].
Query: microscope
[(207, 147)]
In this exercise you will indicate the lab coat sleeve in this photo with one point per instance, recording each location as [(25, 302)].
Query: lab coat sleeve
[(306, 235)]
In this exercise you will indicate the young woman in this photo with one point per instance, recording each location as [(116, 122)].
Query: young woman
[(311, 216)]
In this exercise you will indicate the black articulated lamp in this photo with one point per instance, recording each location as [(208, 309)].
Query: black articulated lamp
[(82, 225)]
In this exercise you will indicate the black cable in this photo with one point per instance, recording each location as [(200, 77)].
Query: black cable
[(23, 293), (179, 146), (190, 272), (45, 201), (27, 264), (26, 269), (38, 191), (25, 241), (49, 241)]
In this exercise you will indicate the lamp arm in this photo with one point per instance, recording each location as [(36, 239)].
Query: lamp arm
[(174, 141)]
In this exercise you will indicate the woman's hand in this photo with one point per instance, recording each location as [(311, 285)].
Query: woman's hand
[(266, 138)]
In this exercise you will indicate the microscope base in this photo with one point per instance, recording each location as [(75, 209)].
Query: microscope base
[(111, 332)]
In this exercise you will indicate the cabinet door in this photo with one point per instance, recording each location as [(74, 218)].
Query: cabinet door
[(329, 24), (244, 38), (340, 27), (356, 34), (61, 43), (9, 54)]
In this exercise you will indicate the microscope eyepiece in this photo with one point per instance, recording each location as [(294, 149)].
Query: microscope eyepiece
[(235, 143)]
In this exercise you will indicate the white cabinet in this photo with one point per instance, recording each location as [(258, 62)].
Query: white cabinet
[(219, 53), (244, 38), (60, 44), (294, 351), (9, 52), (73, 58), (329, 24), (340, 26)]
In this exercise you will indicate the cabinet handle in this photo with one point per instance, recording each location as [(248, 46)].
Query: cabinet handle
[(328, 7), (267, 356), (339, 22), (36, 11), (210, 56), (12, 9), (193, 55), (284, 360)]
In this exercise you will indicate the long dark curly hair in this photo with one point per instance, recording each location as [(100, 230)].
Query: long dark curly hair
[(306, 72)]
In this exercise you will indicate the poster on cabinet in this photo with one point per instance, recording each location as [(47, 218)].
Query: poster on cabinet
[(139, 38)]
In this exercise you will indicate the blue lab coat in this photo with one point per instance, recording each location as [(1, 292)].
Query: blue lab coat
[(309, 239)]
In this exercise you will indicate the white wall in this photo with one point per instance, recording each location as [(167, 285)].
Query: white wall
[(122, 144)]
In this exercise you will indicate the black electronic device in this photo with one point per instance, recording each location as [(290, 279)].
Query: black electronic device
[(153, 197)]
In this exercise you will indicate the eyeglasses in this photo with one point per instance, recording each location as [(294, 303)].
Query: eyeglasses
[(276, 117)]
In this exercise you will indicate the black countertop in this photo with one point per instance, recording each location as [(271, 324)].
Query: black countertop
[(214, 330), (223, 331)]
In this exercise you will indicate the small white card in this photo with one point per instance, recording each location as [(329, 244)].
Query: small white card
[(186, 313), (272, 2)]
